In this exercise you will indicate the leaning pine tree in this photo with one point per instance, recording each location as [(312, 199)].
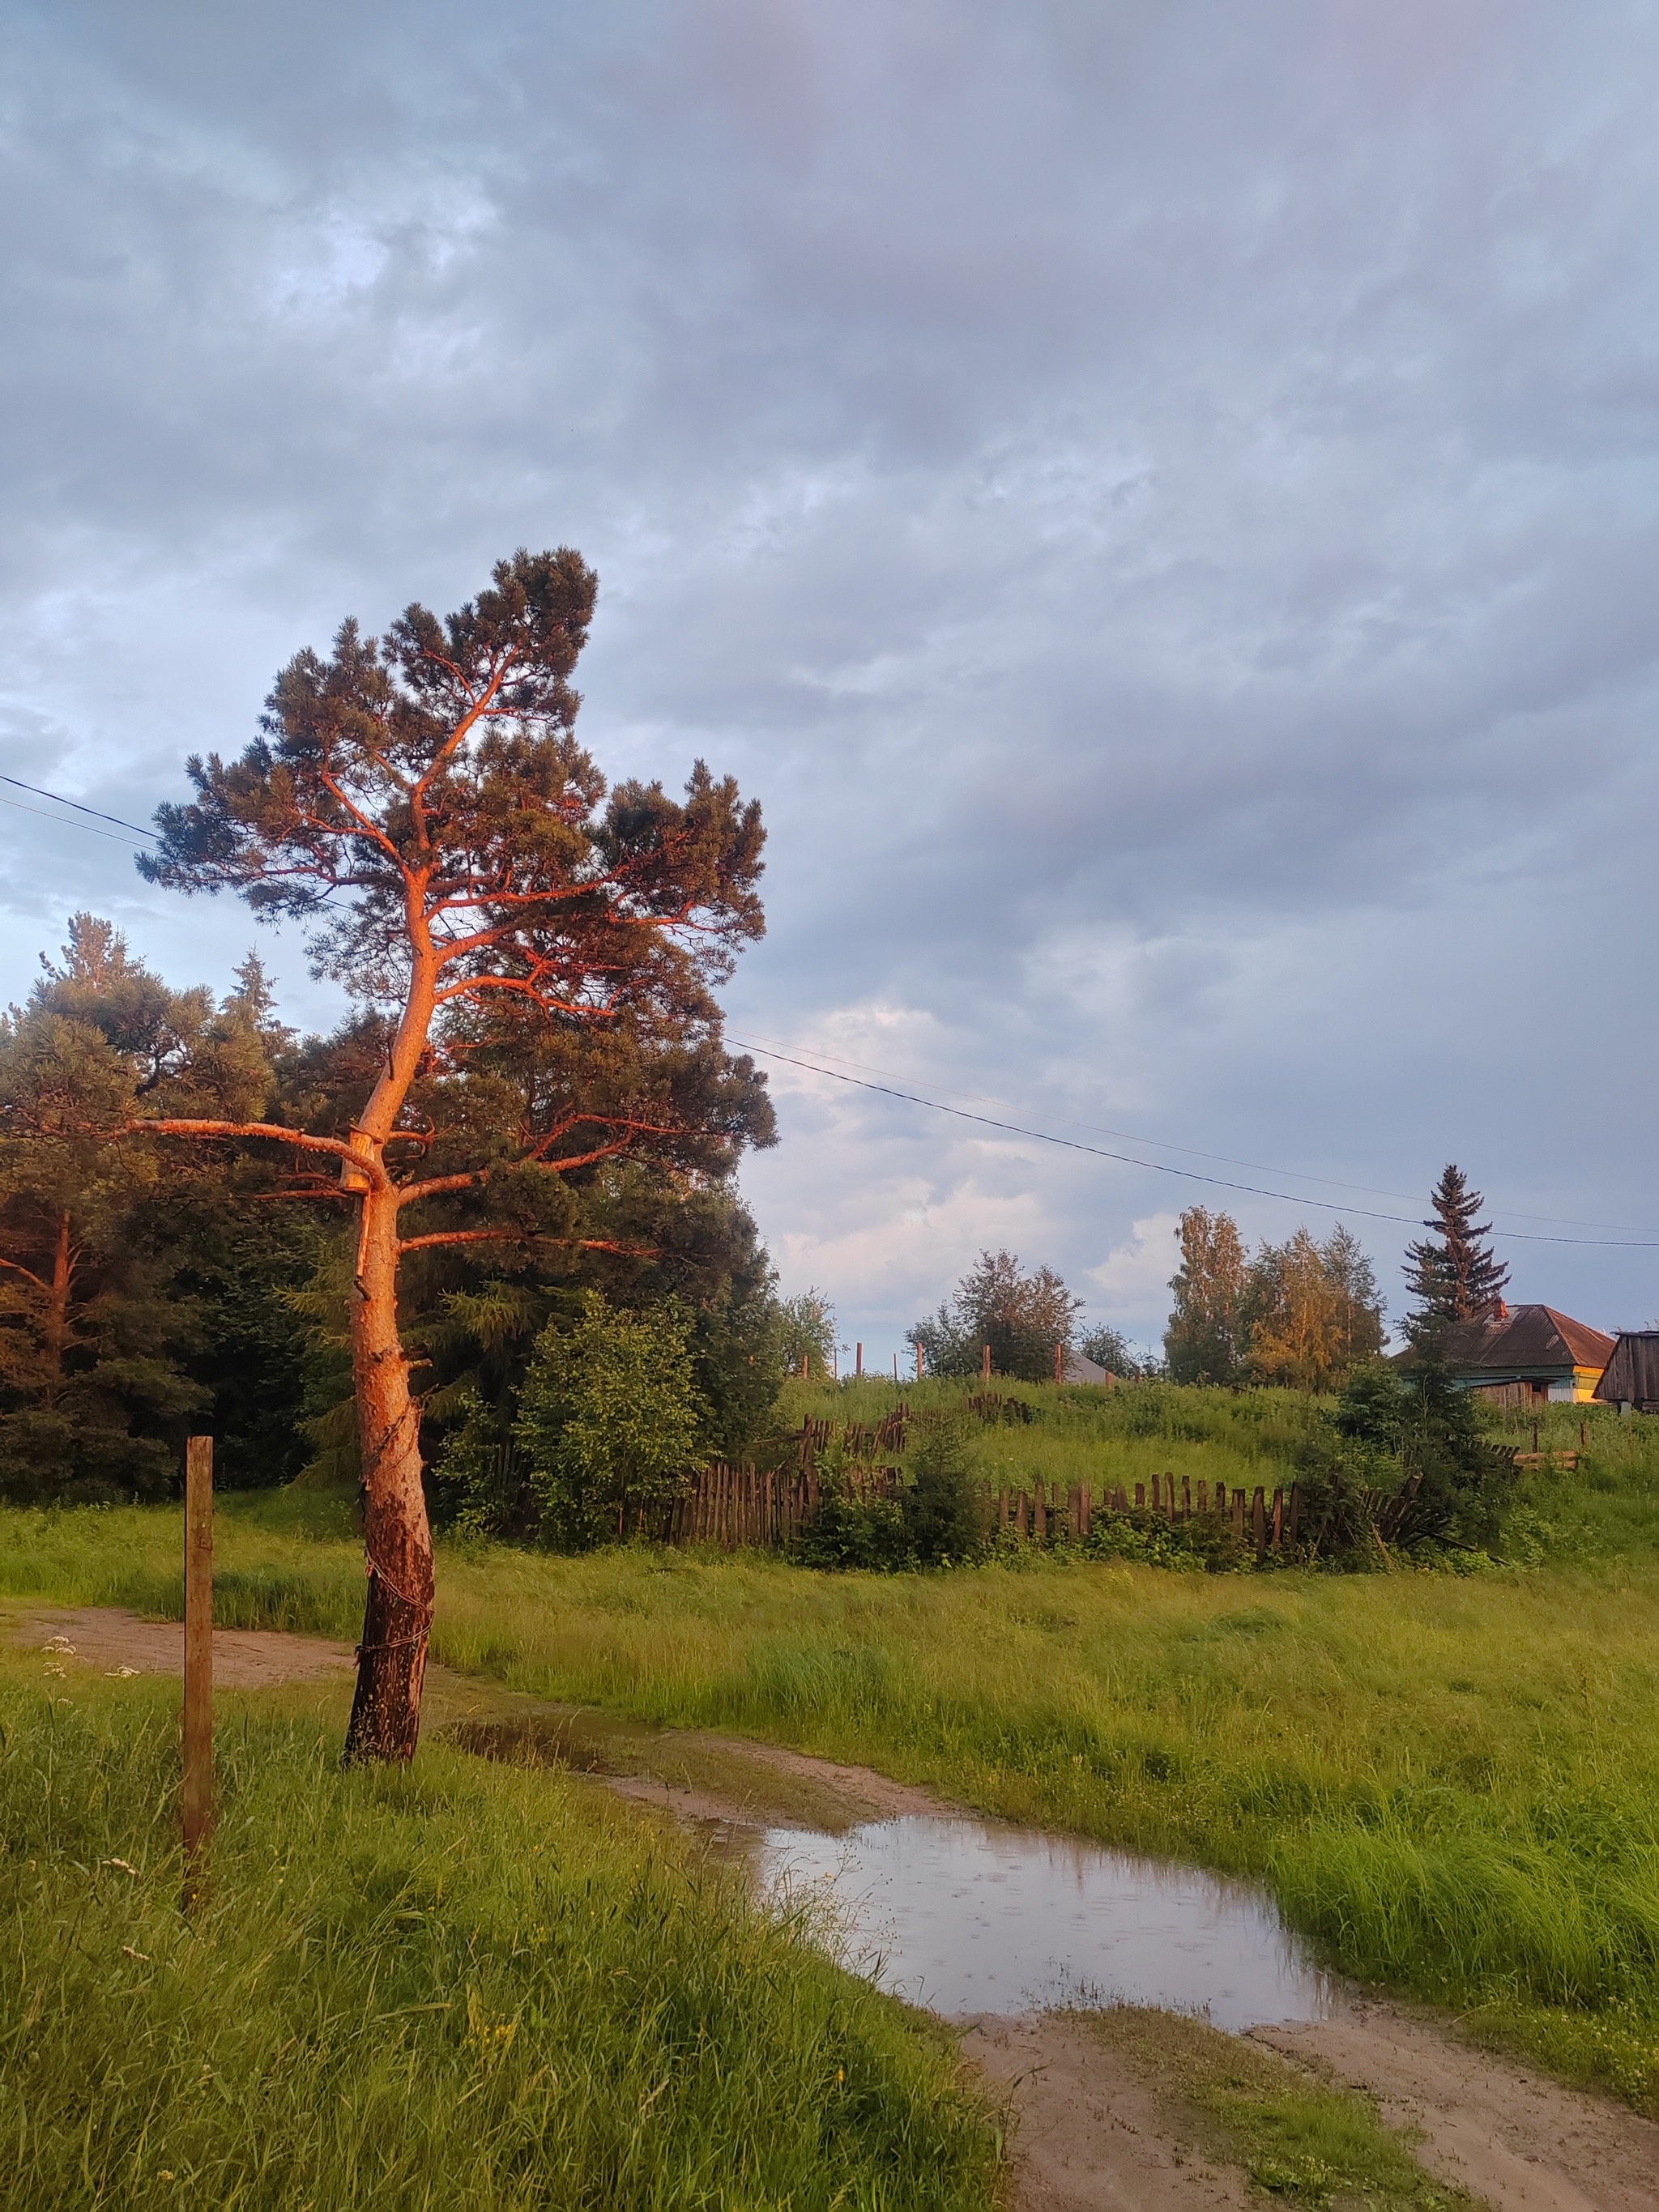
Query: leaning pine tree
[(1452, 1272), (541, 962)]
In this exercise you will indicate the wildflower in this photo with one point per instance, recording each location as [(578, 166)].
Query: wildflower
[(120, 1674), (125, 1865), (141, 1956)]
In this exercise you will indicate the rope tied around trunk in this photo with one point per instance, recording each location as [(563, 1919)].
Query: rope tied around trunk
[(423, 1607)]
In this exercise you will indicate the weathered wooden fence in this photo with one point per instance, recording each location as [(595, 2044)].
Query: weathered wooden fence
[(768, 1506), (1265, 1520)]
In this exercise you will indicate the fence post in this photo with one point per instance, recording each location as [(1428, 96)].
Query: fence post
[(1259, 1522), (1238, 1513), (859, 1370), (198, 1658), (985, 1362), (1060, 1362)]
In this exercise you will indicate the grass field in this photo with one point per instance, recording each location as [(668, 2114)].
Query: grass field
[(1451, 1782), (463, 1985)]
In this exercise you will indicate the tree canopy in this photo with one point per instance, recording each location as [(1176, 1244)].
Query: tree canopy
[(1022, 1317)]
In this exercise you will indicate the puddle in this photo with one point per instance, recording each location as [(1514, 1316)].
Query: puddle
[(959, 1915), (965, 1916)]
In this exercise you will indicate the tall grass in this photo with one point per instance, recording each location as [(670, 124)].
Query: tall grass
[(1453, 1785), (462, 1985)]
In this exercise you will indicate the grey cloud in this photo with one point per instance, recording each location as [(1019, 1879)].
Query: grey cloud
[(1158, 502)]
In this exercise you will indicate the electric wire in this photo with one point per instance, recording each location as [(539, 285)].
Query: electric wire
[(985, 1121), (1161, 1167), (42, 815)]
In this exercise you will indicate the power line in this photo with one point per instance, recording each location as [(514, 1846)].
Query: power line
[(1160, 1167), (120, 823), (1191, 1151), (41, 814)]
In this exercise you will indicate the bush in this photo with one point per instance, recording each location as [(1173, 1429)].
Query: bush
[(608, 1420)]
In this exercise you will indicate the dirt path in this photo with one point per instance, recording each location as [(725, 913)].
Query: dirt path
[(1092, 2133), (102, 1636), (1508, 2134)]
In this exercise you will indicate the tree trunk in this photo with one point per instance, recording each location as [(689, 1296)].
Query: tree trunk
[(57, 1305), (386, 1713)]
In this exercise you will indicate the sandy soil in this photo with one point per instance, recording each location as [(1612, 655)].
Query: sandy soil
[(1091, 2132), (1506, 2134), (104, 1637), (786, 1789)]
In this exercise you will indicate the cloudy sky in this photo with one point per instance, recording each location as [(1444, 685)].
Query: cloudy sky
[(1161, 503)]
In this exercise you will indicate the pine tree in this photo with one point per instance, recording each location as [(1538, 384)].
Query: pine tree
[(535, 955), (104, 1335), (1452, 1272)]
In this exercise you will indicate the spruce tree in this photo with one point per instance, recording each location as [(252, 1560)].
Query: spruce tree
[(1452, 1272)]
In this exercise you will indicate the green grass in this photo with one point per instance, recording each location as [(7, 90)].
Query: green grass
[(464, 1985), (1299, 2137), (1452, 1783)]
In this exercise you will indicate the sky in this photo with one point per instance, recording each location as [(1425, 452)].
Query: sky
[(1160, 504)]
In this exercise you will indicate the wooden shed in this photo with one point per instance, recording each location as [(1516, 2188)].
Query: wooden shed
[(1631, 1378)]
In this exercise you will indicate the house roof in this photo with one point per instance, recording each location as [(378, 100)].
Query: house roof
[(1525, 1337), (1632, 1373), (1079, 1369)]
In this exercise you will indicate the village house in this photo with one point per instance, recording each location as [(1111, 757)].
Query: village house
[(1528, 1355)]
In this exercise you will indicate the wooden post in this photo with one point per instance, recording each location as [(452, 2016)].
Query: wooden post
[(918, 1363), (985, 1362), (1022, 1515), (1259, 1522), (1186, 1497), (198, 1658), (1060, 1362), (1141, 1496), (1039, 1510), (860, 1370)]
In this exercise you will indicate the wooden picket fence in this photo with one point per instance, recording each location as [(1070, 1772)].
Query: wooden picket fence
[(769, 1507), (1265, 1520)]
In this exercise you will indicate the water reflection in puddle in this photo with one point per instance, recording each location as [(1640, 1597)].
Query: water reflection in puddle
[(964, 1917)]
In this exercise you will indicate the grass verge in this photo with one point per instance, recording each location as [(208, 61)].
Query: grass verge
[(460, 1985), (1299, 2138)]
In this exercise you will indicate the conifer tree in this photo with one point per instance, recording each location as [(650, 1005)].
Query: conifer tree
[(536, 963), (1452, 1272), (98, 1331)]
